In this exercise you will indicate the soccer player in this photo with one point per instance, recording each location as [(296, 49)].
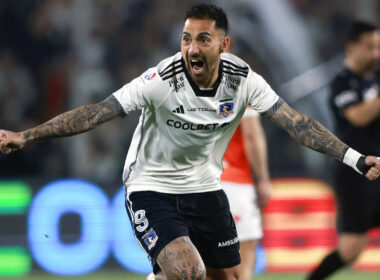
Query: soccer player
[(247, 153), (191, 104), (355, 102)]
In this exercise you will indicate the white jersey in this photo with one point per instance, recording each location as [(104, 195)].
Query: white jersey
[(183, 132)]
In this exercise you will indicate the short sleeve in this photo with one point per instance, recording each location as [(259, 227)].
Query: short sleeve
[(261, 97), (249, 113), (131, 96), (343, 95), (146, 90)]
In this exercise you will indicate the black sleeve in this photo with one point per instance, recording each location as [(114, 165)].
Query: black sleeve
[(343, 94)]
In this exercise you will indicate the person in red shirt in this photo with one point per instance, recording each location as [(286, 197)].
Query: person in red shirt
[(244, 160)]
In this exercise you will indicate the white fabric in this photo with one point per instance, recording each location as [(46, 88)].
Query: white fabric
[(249, 112), (181, 138), (245, 210), (351, 158)]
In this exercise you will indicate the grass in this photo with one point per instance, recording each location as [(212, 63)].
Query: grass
[(119, 275)]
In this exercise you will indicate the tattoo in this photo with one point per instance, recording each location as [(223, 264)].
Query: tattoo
[(274, 108), (180, 260), (309, 132), (76, 121)]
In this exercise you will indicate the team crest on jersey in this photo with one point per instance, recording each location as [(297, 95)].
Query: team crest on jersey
[(150, 76), (226, 109), (150, 238)]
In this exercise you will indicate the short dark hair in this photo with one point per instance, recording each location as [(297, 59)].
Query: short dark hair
[(357, 28), (208, 11)]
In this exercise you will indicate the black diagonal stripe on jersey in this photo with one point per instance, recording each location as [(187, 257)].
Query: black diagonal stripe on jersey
[(171, 74), (245, 68), (170, 67), (227, 68), (182, 110), (235, 73)]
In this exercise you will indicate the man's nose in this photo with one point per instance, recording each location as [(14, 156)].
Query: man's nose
[(193, 49)]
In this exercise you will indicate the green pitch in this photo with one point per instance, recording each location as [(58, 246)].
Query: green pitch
[(109, 275)]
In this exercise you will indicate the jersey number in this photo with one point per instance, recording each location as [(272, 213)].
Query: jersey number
[(141, 220)]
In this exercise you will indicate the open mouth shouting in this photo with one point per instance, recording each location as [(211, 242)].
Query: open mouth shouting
[(196, 66)]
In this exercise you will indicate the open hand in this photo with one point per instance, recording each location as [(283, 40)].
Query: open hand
[(11, 141)]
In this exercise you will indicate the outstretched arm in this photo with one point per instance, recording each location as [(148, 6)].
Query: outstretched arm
[(73, 122), (312, 134), (307, 131)]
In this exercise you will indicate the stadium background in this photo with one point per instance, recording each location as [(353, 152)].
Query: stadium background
[(61, 210)]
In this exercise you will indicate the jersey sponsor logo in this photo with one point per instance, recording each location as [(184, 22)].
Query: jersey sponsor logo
[(150, 238), (230, 82), (201, 110), (150, 76), (179, 110), (226, 109), (194, 126), (177, 83), (228, 242)]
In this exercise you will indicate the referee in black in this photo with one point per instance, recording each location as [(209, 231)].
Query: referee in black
[(355, 101)]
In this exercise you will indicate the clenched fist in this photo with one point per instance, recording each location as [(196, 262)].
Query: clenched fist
[(11, 141)]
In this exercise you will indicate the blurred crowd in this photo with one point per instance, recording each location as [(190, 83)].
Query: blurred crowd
[(60, 54)]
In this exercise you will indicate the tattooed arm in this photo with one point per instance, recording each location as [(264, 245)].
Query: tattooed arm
[(306, 130), (312, 134), (69, 123)]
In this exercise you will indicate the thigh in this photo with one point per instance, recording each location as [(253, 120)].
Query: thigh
[(180, 260), (155, 221), (212, 229), (248, 259), (248, 253), (245, 210)]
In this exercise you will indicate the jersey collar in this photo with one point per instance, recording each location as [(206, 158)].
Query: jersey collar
[(196, 89)]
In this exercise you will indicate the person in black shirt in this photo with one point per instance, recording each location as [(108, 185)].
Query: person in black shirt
[(355, 102)]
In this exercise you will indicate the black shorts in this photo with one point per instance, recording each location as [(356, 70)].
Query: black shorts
[(159, 218), (358, 201)]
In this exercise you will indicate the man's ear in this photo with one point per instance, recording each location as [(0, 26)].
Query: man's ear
[(226, 44)]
